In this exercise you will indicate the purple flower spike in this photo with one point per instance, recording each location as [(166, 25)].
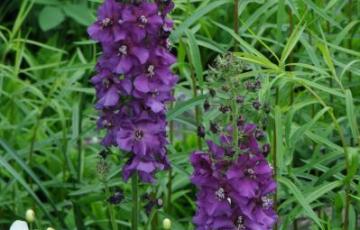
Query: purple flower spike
[(134, 82), (233, 193)]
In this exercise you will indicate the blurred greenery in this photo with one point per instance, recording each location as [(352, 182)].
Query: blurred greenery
[(307, 53)]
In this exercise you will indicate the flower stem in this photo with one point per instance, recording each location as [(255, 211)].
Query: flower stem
[(274, 156), (135, 205)]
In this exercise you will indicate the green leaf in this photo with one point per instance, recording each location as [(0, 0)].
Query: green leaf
[(198, 14), (195, 57), (79, 12), (293, 40), (351, 116), (26, 186), (301, 199), (185, 106), (50, 17)]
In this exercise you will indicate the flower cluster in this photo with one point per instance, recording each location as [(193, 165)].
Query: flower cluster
[(234, 190), (134, 81)]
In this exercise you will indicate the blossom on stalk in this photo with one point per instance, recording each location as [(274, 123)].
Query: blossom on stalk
[(134, 81), (234, 191)]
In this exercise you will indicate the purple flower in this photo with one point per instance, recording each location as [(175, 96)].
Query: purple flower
[(143, 20), (124, 55), (106, 28), (140, 136)]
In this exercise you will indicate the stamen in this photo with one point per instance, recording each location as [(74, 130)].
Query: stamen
[(123, 50), (151, 69), (220, 194), (240, 223), (267, 202), (251, 173), (106, 22), (143, 19)]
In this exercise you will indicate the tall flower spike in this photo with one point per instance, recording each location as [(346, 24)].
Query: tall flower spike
[(134, 82), (233, 193)]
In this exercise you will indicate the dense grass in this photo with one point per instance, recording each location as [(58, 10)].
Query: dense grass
[(306, 51)]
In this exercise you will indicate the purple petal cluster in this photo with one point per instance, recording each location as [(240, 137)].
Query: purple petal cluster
[(234, 191), (134, 81)]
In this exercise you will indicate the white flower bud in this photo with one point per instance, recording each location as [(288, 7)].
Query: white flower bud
[(167, 223), (50, 228), (30, 215), (19, 225)]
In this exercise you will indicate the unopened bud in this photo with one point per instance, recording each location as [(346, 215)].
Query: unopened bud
[(167, 223), (30, 215), (50, 228)]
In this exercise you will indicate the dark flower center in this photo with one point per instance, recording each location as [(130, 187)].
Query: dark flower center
[(250, 173), (139, 134), (123, 50), (143, 19), (106, 22), (155, 93), (106, 83)]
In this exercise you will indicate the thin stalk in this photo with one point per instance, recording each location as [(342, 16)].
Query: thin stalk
[(135, 202), (274, 155), (236, 16), (197, 108), (169, 184), (291, 28), (234, 106), (350, 10)]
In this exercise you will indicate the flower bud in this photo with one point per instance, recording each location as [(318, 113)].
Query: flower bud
[(19, 225), (201, 131), (30, 215), (256, 104), (167, 223), (240, 99), (212, 92), (50, 228), (214, 128), (206, 105)]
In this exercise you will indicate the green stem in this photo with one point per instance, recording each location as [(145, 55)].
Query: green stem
[(197, 108), (236, 16), (350, 39), (274, 155), (169, 184), (135, 203)]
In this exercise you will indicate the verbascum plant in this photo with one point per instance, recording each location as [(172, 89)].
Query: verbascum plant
[(134, 82), (234, 180)]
